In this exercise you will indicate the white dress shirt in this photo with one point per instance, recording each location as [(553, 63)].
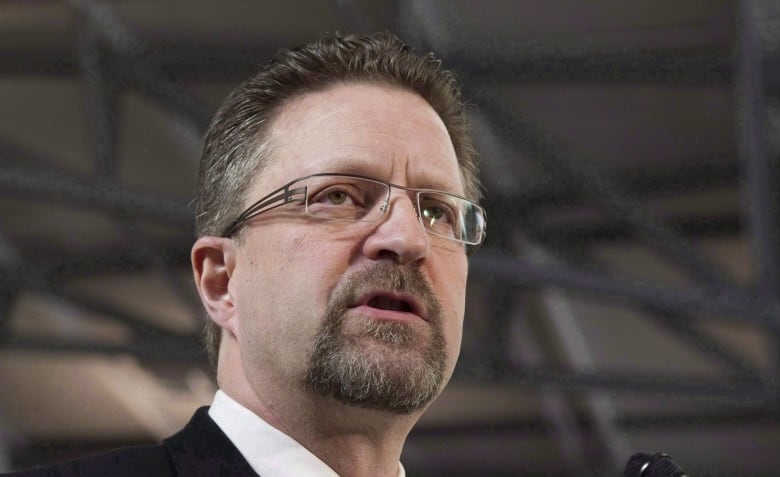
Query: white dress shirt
[(269, 451)]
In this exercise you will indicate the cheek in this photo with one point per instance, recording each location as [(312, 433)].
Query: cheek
[(455, 325), (451, 289), (262, 281), (452, 277), (313, 264), (281, 287)]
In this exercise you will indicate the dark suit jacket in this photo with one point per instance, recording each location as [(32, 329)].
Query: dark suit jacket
[(200, 449)]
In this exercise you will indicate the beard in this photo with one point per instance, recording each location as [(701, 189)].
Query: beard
[(381, 365)]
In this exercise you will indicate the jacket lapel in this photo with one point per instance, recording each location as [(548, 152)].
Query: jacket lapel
[(202, 449)]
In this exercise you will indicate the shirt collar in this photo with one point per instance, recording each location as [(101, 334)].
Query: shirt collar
[(269, 451)]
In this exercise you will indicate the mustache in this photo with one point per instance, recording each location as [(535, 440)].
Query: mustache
[(387, 276)]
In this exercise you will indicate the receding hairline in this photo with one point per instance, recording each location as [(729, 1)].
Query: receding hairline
[(266, 144)]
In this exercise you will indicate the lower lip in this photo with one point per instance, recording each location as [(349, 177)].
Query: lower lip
[(386, 315)]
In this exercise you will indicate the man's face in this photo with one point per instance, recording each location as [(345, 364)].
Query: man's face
[(368, 313)]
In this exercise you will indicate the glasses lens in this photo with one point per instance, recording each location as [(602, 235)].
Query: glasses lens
[(346, 198), (474, 223), (334, 197), (451, 217)]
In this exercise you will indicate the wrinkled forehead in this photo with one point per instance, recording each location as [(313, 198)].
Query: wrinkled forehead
[(370, 129)]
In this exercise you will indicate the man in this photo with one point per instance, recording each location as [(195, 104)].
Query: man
[(336, 209)]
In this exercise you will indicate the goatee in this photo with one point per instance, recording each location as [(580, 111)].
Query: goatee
[(383, 365)]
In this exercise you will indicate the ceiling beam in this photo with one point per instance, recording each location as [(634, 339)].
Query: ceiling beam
[(549, 154), (725, 304), (636, 384), (96, 193), (185, 348), (214, 62)]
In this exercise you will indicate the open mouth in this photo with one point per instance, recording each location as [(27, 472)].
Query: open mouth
[(388, 303), (391, 301)]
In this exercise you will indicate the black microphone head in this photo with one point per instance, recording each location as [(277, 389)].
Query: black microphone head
[(661, 465), (636, 465), (656, 465)]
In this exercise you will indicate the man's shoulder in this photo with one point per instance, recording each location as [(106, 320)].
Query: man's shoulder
[(200, 449), (123, 462), (153, 460)]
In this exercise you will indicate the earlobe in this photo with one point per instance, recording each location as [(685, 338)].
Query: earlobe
[(213, 262)]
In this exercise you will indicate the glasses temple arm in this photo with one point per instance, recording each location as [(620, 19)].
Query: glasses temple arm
[(264, 205)]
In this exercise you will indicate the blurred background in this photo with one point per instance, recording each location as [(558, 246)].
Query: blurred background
[(626, 298)]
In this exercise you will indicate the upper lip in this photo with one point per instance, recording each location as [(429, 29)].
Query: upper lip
[(414, 304)]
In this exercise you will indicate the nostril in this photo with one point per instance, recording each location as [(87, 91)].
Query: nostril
[(386, 254)]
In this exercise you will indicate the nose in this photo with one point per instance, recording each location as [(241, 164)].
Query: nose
[(399, 235)]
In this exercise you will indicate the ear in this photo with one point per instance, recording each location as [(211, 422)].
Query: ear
[(213, 261)]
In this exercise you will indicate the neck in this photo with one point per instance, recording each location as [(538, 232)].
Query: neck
[(353, 441)]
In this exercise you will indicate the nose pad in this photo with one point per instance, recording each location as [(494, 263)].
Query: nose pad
[(387, 208), (398, 234)]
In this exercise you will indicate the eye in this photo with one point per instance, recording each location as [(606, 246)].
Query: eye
[(336, 197), (340, 194), (343, 197), (434, 213)]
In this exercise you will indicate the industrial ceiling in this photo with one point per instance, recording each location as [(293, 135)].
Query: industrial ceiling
[(626, 298)]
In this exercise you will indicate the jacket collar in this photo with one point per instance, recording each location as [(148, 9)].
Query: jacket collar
[(202, 449)]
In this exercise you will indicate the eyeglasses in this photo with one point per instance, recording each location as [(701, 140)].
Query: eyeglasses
[(354, 198)]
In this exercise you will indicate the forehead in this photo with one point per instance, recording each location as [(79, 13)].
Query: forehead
[(376, 130)]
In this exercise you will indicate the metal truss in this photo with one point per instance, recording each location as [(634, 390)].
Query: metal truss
[(111, 59), (102, 49), (713, 295)]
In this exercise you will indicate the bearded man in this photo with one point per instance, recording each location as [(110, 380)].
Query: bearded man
[(336, 209)]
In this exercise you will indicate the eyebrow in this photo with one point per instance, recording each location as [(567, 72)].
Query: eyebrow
[(360, 165)]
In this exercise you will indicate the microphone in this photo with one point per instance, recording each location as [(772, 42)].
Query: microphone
[(656, 465)]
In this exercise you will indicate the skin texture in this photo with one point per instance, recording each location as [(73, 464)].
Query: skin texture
[(270, 291)]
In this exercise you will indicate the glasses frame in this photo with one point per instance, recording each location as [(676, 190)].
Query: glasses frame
[(286, 194)]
